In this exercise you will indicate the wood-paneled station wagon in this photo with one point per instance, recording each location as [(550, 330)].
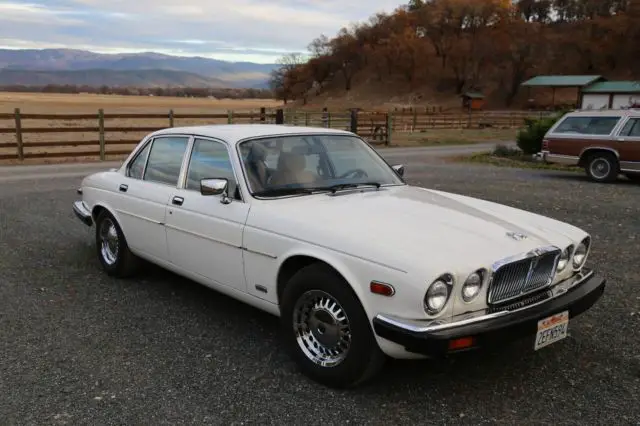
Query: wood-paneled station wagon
[(313, 226), (605, 142)]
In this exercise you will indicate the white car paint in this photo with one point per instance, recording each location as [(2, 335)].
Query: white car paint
[(402, 235)]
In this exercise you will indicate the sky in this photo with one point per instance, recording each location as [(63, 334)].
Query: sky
[(234, 30)]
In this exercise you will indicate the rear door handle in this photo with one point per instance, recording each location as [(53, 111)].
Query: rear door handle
[(123, 187), (177, 201)]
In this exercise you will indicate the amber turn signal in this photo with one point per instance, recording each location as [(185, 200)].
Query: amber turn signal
[(382, 289)]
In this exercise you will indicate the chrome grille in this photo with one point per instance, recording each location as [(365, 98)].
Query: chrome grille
[(520, 277)]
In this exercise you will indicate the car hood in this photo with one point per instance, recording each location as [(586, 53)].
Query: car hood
[(406, 226)]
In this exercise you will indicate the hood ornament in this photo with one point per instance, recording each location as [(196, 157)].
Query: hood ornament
[(516, 236)]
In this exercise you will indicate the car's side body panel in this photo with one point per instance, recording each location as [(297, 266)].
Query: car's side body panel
[(205, 236)]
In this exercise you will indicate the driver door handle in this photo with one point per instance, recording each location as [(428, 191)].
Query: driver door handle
[(177, 201)]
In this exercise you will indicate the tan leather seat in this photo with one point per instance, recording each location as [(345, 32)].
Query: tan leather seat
[(291, 170)]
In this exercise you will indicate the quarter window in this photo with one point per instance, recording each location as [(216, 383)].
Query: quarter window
[(631, 128), (165, 159), (588, 125), (136, 168), (209, 159)]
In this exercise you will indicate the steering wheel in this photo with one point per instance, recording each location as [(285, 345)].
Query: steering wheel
[(355, 172)]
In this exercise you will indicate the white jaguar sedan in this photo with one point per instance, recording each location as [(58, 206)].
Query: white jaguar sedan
[(313, 226)]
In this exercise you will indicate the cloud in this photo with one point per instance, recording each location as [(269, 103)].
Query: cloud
[(252, 30)]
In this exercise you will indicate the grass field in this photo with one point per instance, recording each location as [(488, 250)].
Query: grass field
[(60, 103), (435, 137)]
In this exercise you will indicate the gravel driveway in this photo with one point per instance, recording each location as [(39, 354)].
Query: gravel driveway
[(81, 348)]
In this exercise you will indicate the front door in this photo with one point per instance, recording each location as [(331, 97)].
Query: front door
[(144, 192), (204, 235)]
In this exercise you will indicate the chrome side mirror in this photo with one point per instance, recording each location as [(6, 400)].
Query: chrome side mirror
[(399, 169), (216, 186)]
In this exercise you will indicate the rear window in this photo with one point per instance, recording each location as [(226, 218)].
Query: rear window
[(586, 125)]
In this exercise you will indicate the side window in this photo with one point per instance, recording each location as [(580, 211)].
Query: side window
[(631, 128), (588, 125), (165, 159), (209, 159), (136, 167)]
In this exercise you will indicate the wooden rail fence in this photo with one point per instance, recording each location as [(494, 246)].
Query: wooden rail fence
[(106, 135)]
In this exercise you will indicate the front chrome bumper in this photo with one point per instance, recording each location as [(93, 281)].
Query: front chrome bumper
[(82, 212), (576, 294)]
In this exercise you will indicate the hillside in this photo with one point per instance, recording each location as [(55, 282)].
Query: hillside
[(110, 78), (429, 53), (56, 65)]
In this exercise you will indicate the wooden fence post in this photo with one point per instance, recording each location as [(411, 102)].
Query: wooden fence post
[(170, 118), (389, 127), (101, 130), (415, 120), (19, 145), (354, 121), (279, 116), (263, 115), (306, 118), (230, 116)]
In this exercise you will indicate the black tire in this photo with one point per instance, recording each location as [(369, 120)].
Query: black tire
[(362, 360), (121, 264), (602, 167)]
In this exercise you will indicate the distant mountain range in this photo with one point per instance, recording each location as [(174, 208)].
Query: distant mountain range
[(37, 67)]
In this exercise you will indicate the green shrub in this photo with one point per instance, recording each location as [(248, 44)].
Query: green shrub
[(530, 138)]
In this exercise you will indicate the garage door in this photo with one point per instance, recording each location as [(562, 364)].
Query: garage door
[(595, 101)]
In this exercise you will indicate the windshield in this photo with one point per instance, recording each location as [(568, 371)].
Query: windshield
[(299, 164)]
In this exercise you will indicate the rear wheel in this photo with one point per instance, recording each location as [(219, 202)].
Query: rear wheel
[(112, 248), (602, 167), (326, 330)]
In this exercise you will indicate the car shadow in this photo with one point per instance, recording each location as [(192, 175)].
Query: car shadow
[(446, 376), (577, 177)]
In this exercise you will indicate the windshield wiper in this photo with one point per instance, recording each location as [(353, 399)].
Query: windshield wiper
[(275, 192), (339, 186)]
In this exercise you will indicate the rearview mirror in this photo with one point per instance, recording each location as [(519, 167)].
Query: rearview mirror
[(216, 186), (399, 169)]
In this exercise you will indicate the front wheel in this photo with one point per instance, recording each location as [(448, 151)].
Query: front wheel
[(112, 248), (326, 330), (602, 167)]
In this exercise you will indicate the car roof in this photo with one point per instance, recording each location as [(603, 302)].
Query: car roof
[(233, 133), (605, 112)]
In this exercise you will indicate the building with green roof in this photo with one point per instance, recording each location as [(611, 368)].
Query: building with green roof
[(594, 91)]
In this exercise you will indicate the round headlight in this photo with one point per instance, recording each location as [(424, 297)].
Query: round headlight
[(471, 287), (564, 258), (438, 294), (580, 254)]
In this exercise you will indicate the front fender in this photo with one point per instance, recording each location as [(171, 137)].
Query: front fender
[(358, 273)]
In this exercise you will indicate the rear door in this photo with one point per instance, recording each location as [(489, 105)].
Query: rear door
[(144, 192)]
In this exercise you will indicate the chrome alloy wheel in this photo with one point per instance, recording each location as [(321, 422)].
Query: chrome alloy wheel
[(322, 328), (600, 168), (109, 241)]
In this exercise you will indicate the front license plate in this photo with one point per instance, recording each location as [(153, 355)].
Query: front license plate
[(552, 329)]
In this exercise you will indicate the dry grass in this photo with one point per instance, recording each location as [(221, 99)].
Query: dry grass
[(436, 137), (60, 103)]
